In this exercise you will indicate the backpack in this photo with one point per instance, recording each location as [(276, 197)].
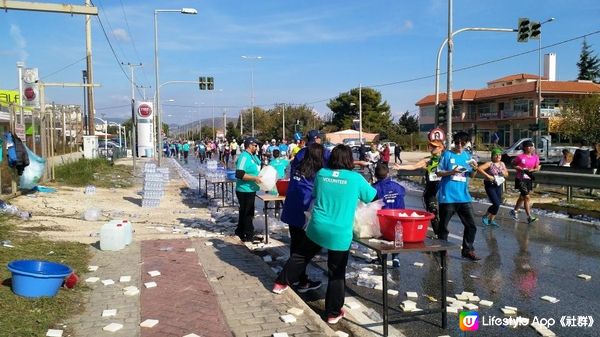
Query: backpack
[(16, 152)]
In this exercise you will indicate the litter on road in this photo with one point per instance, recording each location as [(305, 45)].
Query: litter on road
[(92, 279), (288, 318), (109, 312), (150, 284), (585, 277), (92, 268), (154, 273), (295, 311), (54, 333), (149, 323), (108, 282), (113, 327), (125, 279), (550, 299)]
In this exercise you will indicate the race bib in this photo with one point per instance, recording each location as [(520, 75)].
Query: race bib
[(434, 177), (460, 178), (499, 180)]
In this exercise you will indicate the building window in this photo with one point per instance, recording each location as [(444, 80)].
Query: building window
[(428, 111), (487, 110)]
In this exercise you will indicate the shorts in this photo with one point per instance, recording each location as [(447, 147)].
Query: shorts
[(524, 186)]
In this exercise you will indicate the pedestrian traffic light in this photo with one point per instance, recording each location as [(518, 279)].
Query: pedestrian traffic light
[(210, 83), (202, 82), (535, 31), (441, 113), (523, 30)]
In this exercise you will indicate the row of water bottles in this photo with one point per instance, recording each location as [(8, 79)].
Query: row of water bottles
[(155, 180)]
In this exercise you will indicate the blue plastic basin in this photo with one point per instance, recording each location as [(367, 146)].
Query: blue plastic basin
[(34, 278)]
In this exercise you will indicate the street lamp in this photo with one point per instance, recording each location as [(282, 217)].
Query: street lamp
[(359, 113), (252, 59), (538, 112), (184, 10)]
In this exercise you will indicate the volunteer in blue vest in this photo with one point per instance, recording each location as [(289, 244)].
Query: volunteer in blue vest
[(247, 168), (391, 193), (313, 136), (298, 199), (337, 190), (456, 167)]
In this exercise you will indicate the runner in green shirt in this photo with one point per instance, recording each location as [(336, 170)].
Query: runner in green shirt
[(279, 164)]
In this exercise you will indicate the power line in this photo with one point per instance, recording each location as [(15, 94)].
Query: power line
[(114, 107), (137, 54), (103, 11), (63, 68)]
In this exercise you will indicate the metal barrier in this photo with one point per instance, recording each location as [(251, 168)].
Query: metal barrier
[(569, 180)]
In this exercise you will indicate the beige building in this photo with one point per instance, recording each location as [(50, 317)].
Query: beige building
[(507, 106)]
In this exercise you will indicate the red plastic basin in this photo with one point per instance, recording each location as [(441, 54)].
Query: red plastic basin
[(414, 229), (282, 186)]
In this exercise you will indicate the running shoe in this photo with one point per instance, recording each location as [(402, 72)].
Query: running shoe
[(485, 220), (471, 256), (308, 286), (514, 214), (532, 219), (396, 263), (279, 288), (331, 319), (494, 223)]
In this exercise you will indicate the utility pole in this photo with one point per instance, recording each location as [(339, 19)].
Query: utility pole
[(89, 68), (450, 102), (133, 117)]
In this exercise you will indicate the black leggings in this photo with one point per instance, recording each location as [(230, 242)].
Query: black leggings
[(494, 193), (298, 236), (245, 227), (336, 265), (465, 213), (431, 205)]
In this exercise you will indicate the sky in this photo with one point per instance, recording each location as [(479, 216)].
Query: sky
[(312, 50)]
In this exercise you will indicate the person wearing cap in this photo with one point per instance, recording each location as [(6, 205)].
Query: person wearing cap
[(455, 168), (272, 148), (432, 181), (494, 173), (313, 136), (525, 164), (247, 168)]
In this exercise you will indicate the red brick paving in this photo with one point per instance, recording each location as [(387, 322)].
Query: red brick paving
[(183, 301)]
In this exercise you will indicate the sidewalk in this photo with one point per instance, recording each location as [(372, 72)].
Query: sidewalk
[(219, 289)]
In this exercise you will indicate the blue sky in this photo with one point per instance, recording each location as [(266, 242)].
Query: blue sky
[(312, 50)]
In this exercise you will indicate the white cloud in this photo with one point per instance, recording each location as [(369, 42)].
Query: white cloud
[(20, 42), (120, 34), (408, 25)]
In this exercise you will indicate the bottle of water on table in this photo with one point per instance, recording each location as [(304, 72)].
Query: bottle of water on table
[(398, 239)]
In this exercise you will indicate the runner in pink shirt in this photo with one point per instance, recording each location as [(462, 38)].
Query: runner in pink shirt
[(525, 164)]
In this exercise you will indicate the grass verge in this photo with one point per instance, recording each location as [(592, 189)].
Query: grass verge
[(25, 317), (98, 172)]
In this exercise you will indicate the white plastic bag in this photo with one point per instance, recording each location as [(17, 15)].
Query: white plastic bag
[(268, 177), (366, 223), (33, 172)]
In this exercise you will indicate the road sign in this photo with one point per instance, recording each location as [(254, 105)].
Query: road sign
[(436, 134), (20, 131)]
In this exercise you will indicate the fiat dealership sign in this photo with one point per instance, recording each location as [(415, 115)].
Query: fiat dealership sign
[(144, 109)]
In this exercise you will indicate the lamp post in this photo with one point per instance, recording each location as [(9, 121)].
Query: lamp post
[(538, 112), (283, 122), (191, 11), (252, 59)]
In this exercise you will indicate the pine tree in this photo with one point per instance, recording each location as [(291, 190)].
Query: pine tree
[(589, 65)]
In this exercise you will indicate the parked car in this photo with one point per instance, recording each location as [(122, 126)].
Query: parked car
[(548, 154), (109, 144)]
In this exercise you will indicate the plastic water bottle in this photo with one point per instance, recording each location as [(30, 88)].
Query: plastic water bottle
[(398, 239)]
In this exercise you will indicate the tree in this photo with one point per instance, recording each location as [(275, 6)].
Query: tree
[(581, 119), (589, 65), (376, 115), (409, 123), (232, 131)]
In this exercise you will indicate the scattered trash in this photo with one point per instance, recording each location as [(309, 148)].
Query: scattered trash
[(542, 329), (154, 273), (92, 214), (150, 284), (13, 210), (166, 249), (208, 243), (474, 276), (412, 294), (92, 279), (431, 298), (418, 264), (471, 306), (131, 291), (452, 310), (550, 299), (92, 268), (54, 333), (44, 189), (149, 323), (393, 292), (113, 327), (90, 190), (486, 303), (190, 250), (585, 277), (288, 318), (341, 334), (408, 306), (108, 282), (125, 279), (509, 311), (7, 244), (109, 313), (275, 334)]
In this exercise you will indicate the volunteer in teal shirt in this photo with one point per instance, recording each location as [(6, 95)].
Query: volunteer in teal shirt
[(337, 190), (279, 164), (246, 171)]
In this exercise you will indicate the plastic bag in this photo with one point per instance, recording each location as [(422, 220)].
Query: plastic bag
[(33, 172), (268, 177), (366, 223)]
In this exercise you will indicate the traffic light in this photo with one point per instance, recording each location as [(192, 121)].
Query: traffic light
[(441, 113), (523, 30), (202, 82), (210, 85), (535, 31)]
